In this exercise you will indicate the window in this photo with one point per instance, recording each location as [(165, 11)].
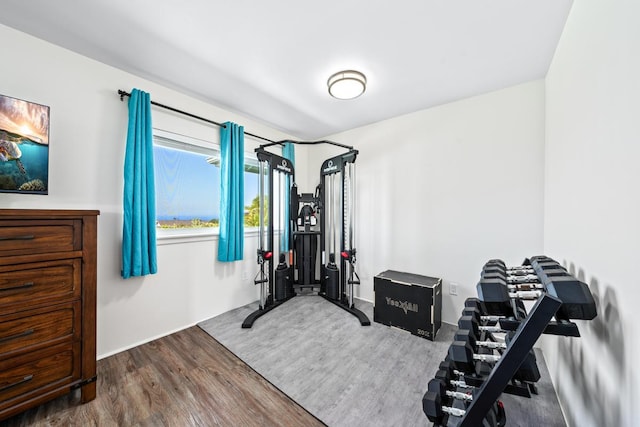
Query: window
[(187, 180)]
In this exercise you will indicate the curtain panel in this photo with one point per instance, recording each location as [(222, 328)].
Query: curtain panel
[(139, 207), (231, 241)]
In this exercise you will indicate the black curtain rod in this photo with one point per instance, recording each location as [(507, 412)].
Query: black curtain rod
[(122, 94), (337, 144)]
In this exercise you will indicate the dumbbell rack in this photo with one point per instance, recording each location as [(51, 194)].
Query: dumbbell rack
[(521, 344), (558, 294)]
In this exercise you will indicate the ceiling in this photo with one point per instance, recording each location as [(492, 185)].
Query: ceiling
[(270, 60)]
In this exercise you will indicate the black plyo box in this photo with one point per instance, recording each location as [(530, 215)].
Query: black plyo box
[(408, 301)]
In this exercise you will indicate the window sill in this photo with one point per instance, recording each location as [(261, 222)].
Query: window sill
[(173, 237)]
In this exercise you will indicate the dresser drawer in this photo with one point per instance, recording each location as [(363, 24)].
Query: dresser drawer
[(34, 329), (38, 372), (37, 282), (28, 237)]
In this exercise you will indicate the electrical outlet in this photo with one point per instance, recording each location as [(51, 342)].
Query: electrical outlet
[(245, 276), (453, 289)]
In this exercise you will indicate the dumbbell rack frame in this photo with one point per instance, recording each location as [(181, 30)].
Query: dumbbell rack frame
[(521, 344)]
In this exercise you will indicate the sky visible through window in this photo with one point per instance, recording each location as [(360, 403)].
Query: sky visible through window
[(188, 187)]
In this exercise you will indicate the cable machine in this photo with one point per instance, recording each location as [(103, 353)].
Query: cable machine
[(275, 283), (337, 191), (294, 217)]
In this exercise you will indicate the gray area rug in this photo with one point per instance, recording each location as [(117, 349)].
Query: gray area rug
[(351, 375)]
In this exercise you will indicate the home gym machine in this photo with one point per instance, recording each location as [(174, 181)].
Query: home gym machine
[(295, 218)]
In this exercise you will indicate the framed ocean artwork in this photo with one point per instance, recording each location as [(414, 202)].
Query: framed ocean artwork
[(24, 146)]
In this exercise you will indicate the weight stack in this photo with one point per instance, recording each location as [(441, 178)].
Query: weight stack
[(283, 282), (332, 281)]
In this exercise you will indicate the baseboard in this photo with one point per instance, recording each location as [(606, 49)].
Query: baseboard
[(364, 299), (146, 340)]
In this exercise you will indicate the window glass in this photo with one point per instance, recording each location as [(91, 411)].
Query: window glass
[(187, 180)]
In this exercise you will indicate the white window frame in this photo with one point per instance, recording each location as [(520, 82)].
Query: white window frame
[(184, 142)]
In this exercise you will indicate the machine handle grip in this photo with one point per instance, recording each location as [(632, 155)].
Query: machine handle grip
[(355, 281)]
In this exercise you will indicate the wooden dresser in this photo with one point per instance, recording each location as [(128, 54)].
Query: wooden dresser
[(47, 306)]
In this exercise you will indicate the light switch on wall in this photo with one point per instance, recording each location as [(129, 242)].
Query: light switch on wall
[(453, 289)]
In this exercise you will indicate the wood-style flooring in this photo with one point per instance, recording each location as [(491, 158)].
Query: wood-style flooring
[(184, 379)]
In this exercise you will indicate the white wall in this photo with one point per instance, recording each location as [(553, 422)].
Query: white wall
[(88, 132), (443, 190), (592, 215)]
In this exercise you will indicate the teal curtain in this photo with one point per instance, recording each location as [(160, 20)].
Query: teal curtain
[(231, 242), (139, 205), (288, 152)]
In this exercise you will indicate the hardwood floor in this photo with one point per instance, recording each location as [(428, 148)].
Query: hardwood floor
[(184, 379)]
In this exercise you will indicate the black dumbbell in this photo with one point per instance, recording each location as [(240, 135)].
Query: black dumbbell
[(548, 269), (538, 258), (471, 323), (434, 409), (492, 267), (450, 375), (470, 328), (442, 390), (463, 356), (473, 303), (515, 279), (496, 294), (484, 319), (528, 278), (494, 312), (498, 290), (500, 309), (481, 346), (525, 264), (544, 263), (531, 276), (577, 301), (532, 266), (467, 336), (437, 398), (449, 369), (481, 329), (499, 265), (475, 307), (528, 371)]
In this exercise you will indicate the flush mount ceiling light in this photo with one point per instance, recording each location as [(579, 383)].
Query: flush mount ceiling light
[(347, 84)]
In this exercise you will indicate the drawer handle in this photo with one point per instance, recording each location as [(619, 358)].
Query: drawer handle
[(24, 285), (20, 335), (22, 381), (25, 237)]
